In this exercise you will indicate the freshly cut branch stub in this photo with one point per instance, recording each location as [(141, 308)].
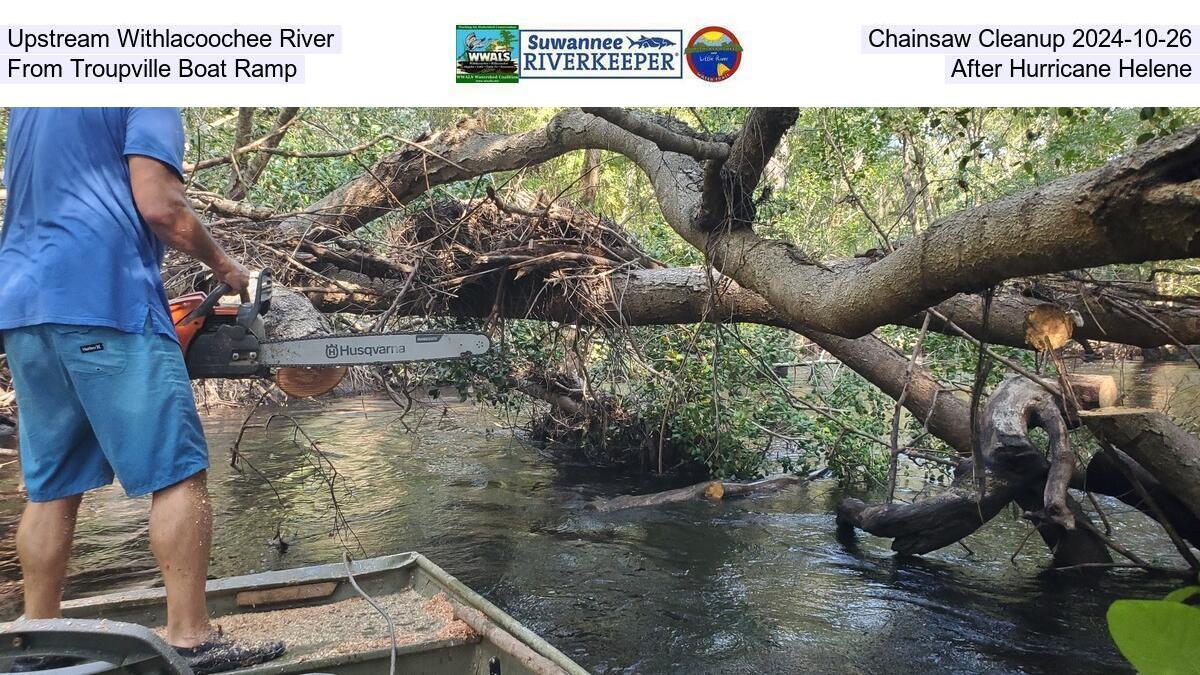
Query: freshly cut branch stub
[(1048, 328)]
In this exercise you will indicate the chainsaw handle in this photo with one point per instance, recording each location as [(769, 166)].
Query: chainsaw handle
[(251, 309), (214, 296)]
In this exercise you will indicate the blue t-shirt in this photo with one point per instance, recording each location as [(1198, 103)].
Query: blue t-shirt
[(74, 249)]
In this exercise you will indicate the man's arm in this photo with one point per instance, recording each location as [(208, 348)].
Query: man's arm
[(160, 197)]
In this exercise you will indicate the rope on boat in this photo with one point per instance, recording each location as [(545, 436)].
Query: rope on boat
[(369, 599)]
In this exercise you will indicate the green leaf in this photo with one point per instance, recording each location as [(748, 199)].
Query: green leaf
[(1189, 595), (1146, 113), (1157, 636), (1148, 136), (1066, 112)]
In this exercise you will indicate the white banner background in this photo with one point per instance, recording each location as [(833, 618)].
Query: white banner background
[(402, 54)]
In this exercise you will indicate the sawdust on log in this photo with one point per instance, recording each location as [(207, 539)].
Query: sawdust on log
[(349, 626)]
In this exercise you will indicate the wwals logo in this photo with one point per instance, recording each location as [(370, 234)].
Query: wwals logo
[(486, 53)]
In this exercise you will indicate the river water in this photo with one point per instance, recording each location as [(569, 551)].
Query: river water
[(748, 586)]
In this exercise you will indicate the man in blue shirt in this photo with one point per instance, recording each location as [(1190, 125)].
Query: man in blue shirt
[(102, 391)]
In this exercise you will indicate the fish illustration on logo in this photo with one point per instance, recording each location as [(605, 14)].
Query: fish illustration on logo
[(644, 42)]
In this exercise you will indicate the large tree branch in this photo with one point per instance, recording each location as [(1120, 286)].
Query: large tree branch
[(661, 297), (460, 152), (1101, 321), (1131, 210), (666, 139), (729, 190)]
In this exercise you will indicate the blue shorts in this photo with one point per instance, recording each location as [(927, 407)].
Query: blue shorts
[(93, 402)]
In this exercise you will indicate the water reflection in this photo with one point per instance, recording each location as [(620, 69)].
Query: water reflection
[(1172, 387), (749, 586)]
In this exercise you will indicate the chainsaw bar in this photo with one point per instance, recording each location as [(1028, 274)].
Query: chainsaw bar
[(326, 351)]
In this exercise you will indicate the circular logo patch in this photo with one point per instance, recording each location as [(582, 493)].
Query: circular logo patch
[(714, 54)]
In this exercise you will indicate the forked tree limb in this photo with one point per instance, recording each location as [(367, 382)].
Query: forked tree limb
[(728, 200)]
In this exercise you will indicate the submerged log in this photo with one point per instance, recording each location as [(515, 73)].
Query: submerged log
[(711, 490), (1014, 469), (1168, 453), (1105, 475)]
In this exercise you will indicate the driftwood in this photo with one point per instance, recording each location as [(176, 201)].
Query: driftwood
[(1168, 453), (711, 490), (1014, 469)]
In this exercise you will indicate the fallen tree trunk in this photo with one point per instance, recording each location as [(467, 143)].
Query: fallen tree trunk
[(711, 490), (1137, 207), (1167, 452), (1014, 469), (1105, 475), (1101, 322)]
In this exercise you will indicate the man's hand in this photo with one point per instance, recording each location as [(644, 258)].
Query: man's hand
[(233, 273)]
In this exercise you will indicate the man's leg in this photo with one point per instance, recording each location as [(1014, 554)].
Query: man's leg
[(180, 537), (44, 545), (139, 403), (60, 460)]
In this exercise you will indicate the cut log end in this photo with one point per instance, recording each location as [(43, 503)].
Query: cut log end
[(715, 491), (1095, 391), (308, 382)]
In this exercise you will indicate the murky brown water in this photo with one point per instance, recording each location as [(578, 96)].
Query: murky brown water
[(748, 586)]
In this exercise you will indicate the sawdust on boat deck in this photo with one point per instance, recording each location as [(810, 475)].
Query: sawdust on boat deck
[(349, 626)]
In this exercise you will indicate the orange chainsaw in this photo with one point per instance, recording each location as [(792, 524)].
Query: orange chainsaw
[(229, 341)]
